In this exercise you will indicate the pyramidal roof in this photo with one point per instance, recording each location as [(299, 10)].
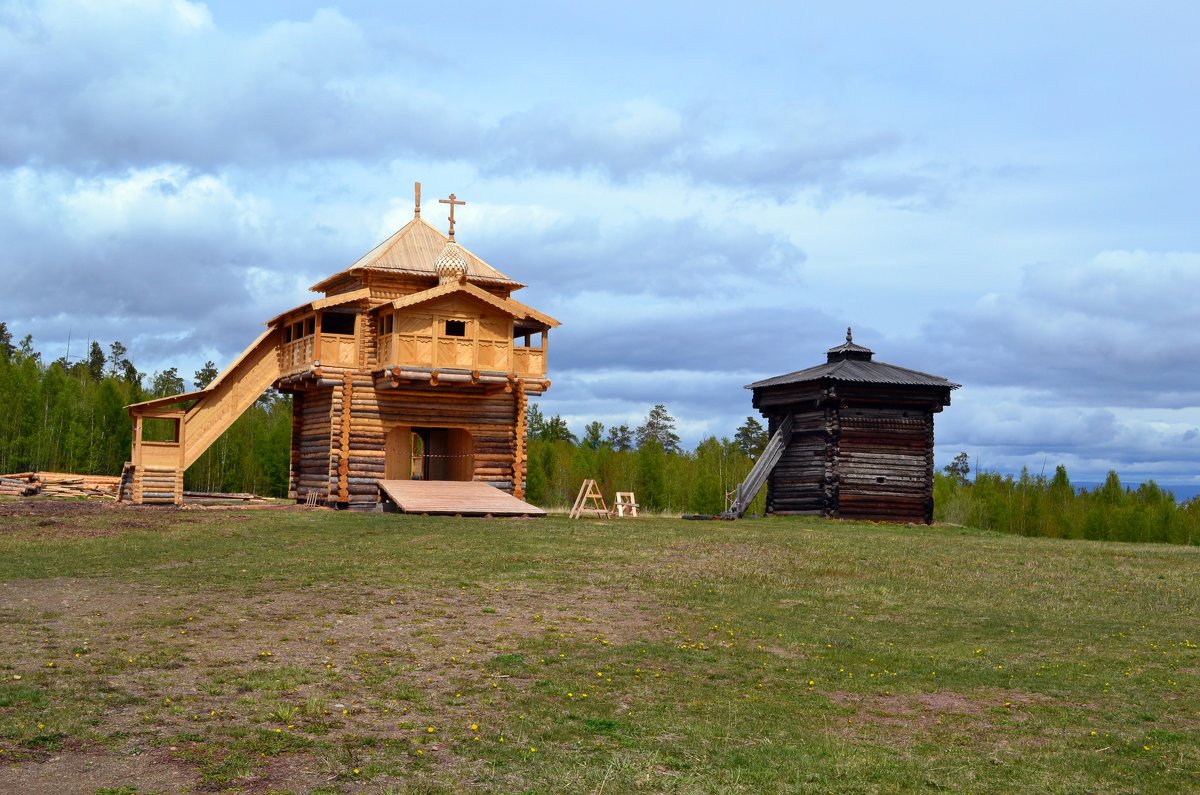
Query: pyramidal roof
[(415, 249), (853, 362)]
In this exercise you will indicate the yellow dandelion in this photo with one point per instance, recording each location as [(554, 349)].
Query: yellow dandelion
[(430, 730)]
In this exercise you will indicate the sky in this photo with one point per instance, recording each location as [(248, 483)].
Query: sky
[(705, 194)]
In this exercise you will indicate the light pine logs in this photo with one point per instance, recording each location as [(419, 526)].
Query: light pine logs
[(339, 432), (59, 484)]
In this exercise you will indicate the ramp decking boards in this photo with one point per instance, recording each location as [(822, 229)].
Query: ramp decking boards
[(468, 498)]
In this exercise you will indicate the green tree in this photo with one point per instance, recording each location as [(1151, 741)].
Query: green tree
[(556, 430), (593, 435), (659, 426), (751, 438), (95, 361), (535, 423), (959, 468), (205, 375), (166, 383), (25, 349), (6, 346), (620, 438), (651, 475)]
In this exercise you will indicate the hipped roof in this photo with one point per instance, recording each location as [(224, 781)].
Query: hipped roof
[(513, 308), (414, 249), (864, 372), (851, 362)]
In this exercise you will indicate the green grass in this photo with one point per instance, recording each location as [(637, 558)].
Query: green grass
[(262, 649)]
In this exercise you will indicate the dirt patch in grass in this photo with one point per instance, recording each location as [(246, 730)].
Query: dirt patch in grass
[(52, 519), (88, 771), (903, 720), (289, 680), (44, 518)]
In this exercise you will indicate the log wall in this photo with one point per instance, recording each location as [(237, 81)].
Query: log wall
[(885, 465), (798, 482), (857, 451), (311, 411), (341, 422)]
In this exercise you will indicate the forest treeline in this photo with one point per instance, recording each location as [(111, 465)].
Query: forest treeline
[(68, 415), (1034, 505)]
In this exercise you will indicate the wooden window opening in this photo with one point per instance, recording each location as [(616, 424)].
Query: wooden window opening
[(338, 323)]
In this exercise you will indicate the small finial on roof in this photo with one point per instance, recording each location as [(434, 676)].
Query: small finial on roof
[(417, 191), (849, 335), (451, 201)]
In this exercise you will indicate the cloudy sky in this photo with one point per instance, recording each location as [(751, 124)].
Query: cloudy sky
[(705, 194)]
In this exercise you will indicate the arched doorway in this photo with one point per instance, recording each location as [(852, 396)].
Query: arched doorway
[(413, 453)]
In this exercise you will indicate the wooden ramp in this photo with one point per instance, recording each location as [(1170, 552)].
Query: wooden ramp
[(740, 498), (468, 498)]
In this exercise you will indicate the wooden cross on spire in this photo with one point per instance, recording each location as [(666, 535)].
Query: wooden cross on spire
[(451, 201)]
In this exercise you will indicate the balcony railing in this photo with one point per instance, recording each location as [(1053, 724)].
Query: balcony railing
[(458, 353), (339, 349)]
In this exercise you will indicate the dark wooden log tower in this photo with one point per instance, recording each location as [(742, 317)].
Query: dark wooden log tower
[(861, 444)]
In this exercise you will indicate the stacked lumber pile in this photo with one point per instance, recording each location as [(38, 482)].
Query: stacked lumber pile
[(18, 484), (59, 484), (222, 498)]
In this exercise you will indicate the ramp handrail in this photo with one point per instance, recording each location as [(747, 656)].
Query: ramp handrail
[(741, 497)]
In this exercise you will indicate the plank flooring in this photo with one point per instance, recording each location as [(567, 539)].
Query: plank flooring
[(466, 498)]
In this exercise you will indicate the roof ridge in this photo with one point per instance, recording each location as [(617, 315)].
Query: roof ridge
[(414, 248)]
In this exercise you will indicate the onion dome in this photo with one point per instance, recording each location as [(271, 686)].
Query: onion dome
[(451, 265)]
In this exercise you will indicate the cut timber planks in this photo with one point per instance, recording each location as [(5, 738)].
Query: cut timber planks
[(469, 498)]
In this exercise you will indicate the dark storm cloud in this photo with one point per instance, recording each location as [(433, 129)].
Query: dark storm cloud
[(156, 90), (1119, 331), (168, 261), (101, 92), (648, 258), (761, 340)]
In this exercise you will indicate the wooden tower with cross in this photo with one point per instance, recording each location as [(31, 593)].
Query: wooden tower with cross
[(414, 366)]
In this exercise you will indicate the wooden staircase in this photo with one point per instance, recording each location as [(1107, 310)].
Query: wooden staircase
[(156, 473), (740, 498)]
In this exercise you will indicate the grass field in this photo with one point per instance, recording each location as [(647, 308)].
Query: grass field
[(308, 651)]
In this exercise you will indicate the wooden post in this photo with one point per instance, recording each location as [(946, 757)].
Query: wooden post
[(317, 337), (344, 457), (518, 468)]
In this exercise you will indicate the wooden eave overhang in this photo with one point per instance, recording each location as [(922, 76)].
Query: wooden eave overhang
[(510, 307), (324, 303), (149, 405), (413, 250), (858, 371)]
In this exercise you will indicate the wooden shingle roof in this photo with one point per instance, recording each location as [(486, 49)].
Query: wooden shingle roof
[(413, 250)]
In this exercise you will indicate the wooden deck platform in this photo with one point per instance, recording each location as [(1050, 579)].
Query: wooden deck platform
[(468, 498)]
